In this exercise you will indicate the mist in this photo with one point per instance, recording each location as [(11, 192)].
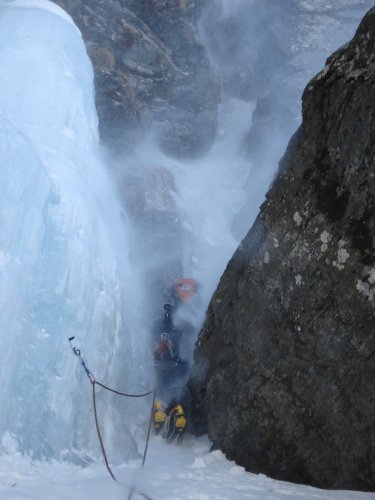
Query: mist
[(189, 215)]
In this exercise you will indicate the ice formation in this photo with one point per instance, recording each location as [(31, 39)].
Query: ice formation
[(64, 266)]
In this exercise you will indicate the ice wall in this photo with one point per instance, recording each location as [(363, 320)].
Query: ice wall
[(64, 266)]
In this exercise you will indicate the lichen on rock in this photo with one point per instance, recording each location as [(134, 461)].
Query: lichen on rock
[(285, 362)]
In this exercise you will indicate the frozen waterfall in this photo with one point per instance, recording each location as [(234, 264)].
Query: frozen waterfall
[(64, 267)]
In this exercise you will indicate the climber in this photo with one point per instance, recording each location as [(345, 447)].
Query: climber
[(159, 416), (184, 290), (164, 349), (176, 423), (164, 324)]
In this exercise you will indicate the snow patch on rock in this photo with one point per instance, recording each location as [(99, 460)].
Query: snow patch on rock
[(297, 218), (298, 279), (342, 256), (372, 276), (325, 237), (365, 289)]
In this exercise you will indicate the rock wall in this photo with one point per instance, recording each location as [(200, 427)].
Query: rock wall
[(151, 71), (285, 364)]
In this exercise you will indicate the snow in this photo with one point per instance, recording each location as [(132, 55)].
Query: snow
[(342, 255), (298, 279), (171, 472), (325, 237)]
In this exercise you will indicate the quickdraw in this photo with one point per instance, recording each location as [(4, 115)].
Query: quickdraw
[(77, 352)]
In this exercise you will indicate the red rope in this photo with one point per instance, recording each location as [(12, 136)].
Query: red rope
[(149, 428), (133, 490), (124, 393), (98, 431), (93, 382)]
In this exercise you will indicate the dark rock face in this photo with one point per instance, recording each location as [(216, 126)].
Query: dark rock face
[(285, 364), (151, 70)]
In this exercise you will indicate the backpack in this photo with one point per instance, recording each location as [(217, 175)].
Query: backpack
[(179, 419)]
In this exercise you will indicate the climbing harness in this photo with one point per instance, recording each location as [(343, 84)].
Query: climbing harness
[(94, 382)]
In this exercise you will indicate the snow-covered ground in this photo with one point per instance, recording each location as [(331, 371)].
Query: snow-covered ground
[(187, 472)]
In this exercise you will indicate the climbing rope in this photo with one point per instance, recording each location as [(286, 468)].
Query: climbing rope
[(149, 428), (133, 491), (124, 393), (94, 382), (99, 434)]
